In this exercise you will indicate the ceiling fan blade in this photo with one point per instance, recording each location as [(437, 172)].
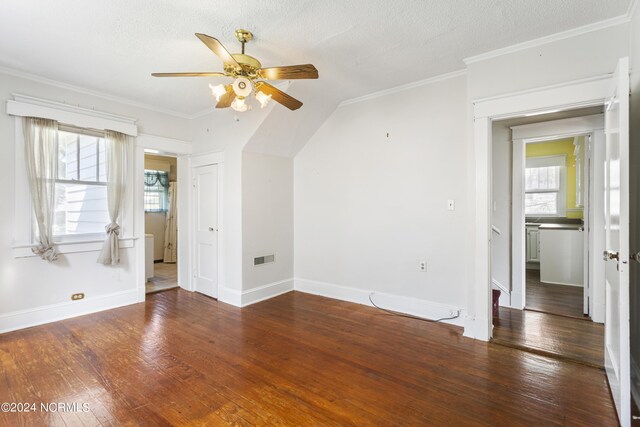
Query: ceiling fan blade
[(204, 74), (217, 48), (279, 96), (227, 98), (304, 71)]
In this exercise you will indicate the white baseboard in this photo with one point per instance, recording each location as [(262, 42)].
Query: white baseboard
[(51, 313), (265, 292), (408, 305), (230, 296)]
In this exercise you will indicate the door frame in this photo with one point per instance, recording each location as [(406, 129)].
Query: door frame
[(566, 96), (195, 161), (179, 149), (592, 125)]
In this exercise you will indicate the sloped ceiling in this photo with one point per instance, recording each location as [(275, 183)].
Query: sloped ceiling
[(359, 46)]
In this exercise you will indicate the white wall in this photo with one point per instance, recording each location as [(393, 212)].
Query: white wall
[(368, 208), (32, 289), (587, 55), (267, 218), (154, 223)]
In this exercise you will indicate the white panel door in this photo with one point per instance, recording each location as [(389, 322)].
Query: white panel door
[(617, 351), (205, 201)]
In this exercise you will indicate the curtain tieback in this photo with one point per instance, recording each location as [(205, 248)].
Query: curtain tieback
[(46, 252), (113, 228)]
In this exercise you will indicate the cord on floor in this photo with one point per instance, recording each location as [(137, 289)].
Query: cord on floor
[(410, 316)]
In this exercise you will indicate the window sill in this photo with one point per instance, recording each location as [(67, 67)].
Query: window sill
[(24, 250)]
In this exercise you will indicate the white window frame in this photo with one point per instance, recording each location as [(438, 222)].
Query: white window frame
[(546, 161), (58, 239), (71, 116)]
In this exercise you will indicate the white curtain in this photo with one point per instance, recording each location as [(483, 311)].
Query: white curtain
[(41, 155), (171, 227), (117, 147)]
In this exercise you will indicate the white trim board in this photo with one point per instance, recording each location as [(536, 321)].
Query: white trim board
[(70, 247), (569, 95), (409, 305), (30, 106), (585, 29), (265, 292), (500, 286), (55, 312)]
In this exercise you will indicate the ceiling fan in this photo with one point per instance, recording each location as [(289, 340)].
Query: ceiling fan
[(249, 76)]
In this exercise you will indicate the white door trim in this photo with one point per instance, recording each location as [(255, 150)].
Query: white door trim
[(167, 146), (537, 132), (195, 161), (571, 95)]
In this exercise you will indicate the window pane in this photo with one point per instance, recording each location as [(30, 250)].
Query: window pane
[(80, 209), (156, 184), (541, 203), (545, 178), (88, 158), (68, 155)]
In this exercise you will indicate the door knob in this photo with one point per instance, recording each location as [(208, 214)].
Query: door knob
[(607, 255), (212, 229)]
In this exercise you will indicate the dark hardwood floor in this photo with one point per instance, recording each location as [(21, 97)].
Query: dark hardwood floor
[(549, 334), (184, 359), (557, 299)]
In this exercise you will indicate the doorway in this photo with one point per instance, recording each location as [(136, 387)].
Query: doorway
[(160, 222), (613, 92), (548, 289)]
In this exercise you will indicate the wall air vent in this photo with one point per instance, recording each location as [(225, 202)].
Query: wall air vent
[(264, 259)]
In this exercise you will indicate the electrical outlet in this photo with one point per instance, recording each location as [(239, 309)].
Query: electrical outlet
[(76, 297), (422, 266)]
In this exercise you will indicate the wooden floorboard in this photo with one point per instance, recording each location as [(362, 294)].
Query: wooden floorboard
[(564, 337), (184, 359), (557, 299)]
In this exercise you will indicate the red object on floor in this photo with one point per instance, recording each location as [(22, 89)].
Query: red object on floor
[(496, 300)]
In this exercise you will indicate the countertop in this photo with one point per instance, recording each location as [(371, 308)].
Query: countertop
[(561, 227)]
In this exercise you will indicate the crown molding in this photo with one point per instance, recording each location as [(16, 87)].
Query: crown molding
[(585, 29), (84, 91), (404, 87)]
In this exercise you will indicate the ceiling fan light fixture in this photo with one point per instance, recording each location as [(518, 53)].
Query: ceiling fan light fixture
[(263, 98), (242, 86), (239, 105), (217, 91)]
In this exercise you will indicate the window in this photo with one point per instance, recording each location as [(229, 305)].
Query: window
[(156, 185), (81, 187), (545, 192)]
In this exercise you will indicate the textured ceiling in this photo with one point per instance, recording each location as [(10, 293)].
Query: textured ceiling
[(358, 46)]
